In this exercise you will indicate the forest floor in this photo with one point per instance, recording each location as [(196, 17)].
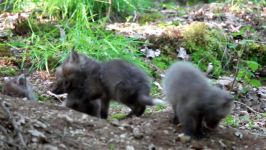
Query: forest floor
[(46, 125)]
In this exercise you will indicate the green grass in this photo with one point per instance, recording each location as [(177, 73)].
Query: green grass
[(83, 24), (45, 49), (95, 9)]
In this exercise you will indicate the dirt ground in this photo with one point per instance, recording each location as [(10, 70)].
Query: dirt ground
[(47, 126)]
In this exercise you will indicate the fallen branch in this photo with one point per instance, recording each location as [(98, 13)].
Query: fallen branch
[(254, 111), (58, 97), (11, 118)]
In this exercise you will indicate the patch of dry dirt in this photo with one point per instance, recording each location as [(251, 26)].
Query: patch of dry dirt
[(52, 126)]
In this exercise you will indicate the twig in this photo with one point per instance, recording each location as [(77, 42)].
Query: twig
[(109, 9), (254, 111), (59, 97), (11, 118), (237, 70)]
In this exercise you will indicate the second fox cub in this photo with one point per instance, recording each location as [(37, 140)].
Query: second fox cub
[(71, 78), (19, 86), (115, 79), (193, 99)]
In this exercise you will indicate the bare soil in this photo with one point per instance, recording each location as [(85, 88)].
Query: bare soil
[(48, 126)]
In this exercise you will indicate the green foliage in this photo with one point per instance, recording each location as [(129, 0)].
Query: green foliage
[(206, 45), (246, 73), (46, 46), (231, 121), (7, 5), (148, 110), (241, 2), (94, 9), (155, 91), (162, 61), (50, 43), (160, 107), (246, 68)]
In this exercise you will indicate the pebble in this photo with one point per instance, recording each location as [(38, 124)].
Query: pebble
[(129, 147), (239, 134), (137, 134), (49, 147), (184, 138), (152, 147)]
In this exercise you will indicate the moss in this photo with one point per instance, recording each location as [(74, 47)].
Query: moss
[(8, 71), (205, 45), (5, 50), (150, 17), (255, 51), (119, 116)]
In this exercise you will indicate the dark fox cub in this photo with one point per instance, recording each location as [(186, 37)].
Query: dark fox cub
[(71, 78), (19, 86), (127, 84), (193, 99), (115, 79)]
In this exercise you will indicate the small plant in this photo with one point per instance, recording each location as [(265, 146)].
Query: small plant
[(246, 73), (231, 121), (119, 116), (160, 107), (246, 68), (148, 110)]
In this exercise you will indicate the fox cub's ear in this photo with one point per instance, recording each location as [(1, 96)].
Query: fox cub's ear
[(74, 57)]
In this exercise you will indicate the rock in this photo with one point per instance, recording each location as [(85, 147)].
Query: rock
[(150, 53), (66, 117), (226, 81), (222, 144), (137, 134), (115, 123), (49, 147), (62, 146), (166, 132), (184, 138), (182, 54), (36, 133), (129, 147), (123, 136), (239, 134), (152, 147), (39, 124)]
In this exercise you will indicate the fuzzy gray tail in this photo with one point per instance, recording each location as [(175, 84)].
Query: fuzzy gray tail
[(157, 101), (147, 100)]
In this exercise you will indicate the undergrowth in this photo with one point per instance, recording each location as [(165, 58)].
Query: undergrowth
[(95, 9), (205, 45), (80, 25)]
